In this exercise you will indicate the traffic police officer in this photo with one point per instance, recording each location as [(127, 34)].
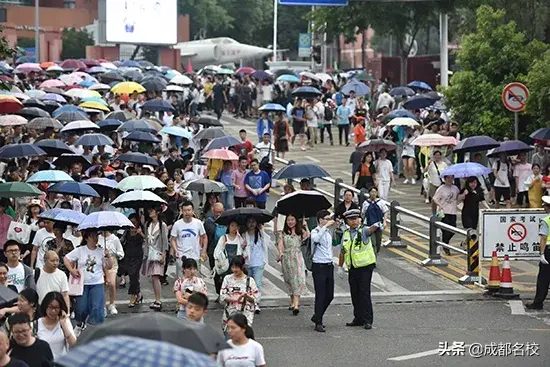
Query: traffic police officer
[(543, 278), (359, 255)]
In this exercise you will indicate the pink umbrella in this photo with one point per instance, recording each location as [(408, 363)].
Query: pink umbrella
[(72, 64), (52, 83), (433, 140), (245, 70), (28, 67), (70, 79), (223, 154)]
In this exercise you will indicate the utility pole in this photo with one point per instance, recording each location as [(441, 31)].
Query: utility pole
[(37, 30)]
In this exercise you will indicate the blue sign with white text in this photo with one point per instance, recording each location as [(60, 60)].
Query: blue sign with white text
[(314, 2)]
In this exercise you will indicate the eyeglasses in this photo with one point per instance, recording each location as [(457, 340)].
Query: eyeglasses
[(21, 332), (54, 308), (12, 251), (327, 218)]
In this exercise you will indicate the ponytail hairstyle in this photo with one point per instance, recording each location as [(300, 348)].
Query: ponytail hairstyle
[(241, 321)]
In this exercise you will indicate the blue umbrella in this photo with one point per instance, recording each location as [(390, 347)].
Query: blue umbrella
[(157, 105), (402, 113), (476, 144), (419, 85), (109, 124), (53, 147), (360, 88), (300, 170), (105, 221), (69, 108), (129, 64), (402, 91), (71, 116), (20, 150), (468, 169), (541, 134), (136, 125), (418, 102), (86, 83), (73, 188), (95, 99), (66, 216), (92, 140), (222, 142), (261, 75), (177, 131), (127, 351), (272, 107), (510, 147), (49, 176), (142, 136), (97, 70), (137, 158), (53, 97), (289, 78), (307, 92)]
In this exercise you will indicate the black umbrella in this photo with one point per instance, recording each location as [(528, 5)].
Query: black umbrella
[(157, 105), (41, 123), (54, 147), (302, 204), (70, 116), (510, 147), (67, 160), (31, 112), (153, 84), (111, 76), (7, 296), (206, 121), (133, 75), (301, 170), (34, 102), (307, 92), (241, 215), (92, 140), (158, 326), (20, 150), (402, 91), (138, 158), (109, 125), (50, 106), (142, 136), (204, 185), (210, 134), (120, 115), (418, 102), (474, 144), (136, 125), (541, 134)]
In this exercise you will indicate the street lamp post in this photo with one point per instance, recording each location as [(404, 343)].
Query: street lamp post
[(275, 9), (37, 30)]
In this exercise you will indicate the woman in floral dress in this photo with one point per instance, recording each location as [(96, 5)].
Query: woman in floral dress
[(290, 254)]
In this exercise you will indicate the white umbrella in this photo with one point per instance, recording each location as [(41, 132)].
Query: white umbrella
[(436, 140), (174, 88), (100, 86), (105, 221), (80, 125), (324, 77), (403, 121), (55, 68), (307, 74), (137, 199), (81, 93), (140, 183), (109, 65), (181, 79), (12, 120)]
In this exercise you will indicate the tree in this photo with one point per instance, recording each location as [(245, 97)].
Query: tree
[(206, 16), (538, 81), (75, 42), (6, 53), (150, 53), (491, 57)]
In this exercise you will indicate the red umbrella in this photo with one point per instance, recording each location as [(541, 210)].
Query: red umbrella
[(222, 154), (72, 64), (9, 104), (6, 78), (90, 62), (245, 70), (189, 67)]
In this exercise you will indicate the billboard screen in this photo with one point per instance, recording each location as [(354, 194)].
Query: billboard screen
[(152, 22)]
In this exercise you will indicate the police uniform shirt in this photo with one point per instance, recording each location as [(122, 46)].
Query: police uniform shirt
[(353, 232), (543, 228)]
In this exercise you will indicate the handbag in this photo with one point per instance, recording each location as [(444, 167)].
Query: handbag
[(19, 232), (152, 253), (221, 263), (76, 285)]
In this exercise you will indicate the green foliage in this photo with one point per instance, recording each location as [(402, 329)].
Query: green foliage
[(206, 16), (538, 81), (495, 55), (150, 53), (75, 42), (25, 42), (7, 53)]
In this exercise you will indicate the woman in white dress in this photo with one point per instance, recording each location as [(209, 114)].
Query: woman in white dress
[(55, 326)]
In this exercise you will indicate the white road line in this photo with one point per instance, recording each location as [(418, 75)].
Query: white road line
[(378, 282), (517, 307), (312, 159), (346, 173), (415, 355), (399, 192)]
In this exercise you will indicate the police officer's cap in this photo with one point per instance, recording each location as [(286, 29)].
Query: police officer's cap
[(352, 214), (546, 200)]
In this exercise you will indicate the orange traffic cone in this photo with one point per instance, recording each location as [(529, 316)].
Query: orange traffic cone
[(494, 276), (506, 287)]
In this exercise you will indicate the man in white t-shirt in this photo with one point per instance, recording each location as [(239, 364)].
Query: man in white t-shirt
[(51, 279), (39, 244), (19, 275), (188, 238), (435, 168), (265, 148), (267, 92), (522, 170), (384, 174), (502, 170)]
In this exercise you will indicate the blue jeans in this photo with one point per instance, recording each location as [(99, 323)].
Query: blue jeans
[(228, 198), (90, 305), (257, 273)]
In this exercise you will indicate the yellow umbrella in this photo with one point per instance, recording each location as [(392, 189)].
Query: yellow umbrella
[(95, 106), (127, 88)]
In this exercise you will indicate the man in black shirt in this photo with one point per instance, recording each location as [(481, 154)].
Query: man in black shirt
[(24, 346), (220, 98), (5, 359), (173, 162)]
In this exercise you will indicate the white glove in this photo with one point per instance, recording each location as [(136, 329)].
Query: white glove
[(543, 259), (340, 272)]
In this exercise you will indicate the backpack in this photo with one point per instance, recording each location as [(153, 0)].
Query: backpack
[(221, 230), (308, 249), (329, 114), (339, 97), (373, 214)]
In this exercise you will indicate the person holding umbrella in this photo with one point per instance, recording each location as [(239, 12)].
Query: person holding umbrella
[(359, 256), (257, 254)]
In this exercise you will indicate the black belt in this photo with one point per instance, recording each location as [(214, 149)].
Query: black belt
[(324, 264)]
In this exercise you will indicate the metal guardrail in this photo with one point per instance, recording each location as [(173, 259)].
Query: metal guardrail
[(434, 224)]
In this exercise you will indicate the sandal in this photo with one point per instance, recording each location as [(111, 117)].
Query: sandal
[(137, 300), (157, 306)]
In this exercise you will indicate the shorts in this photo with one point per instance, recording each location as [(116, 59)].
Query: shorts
[(502, 192), (522, 198), (407, 157), (114, 269), (432, 189)]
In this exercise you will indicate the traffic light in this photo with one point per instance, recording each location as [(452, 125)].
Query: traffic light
[(316, 54)]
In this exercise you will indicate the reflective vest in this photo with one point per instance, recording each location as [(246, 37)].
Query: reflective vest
[(547, 221), (357, 254)]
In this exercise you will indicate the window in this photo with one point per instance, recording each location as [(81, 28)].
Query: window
[(69, 4), (3, 15)]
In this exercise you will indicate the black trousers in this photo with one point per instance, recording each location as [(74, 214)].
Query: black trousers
[(359, 284), (323, 282), (343, 129), (449, 219), (328, 128), (543, 281)]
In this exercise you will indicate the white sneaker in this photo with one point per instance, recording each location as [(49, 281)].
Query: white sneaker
[(112, 309), (406, 181), (426, 201), (413, 181), (79, 329)]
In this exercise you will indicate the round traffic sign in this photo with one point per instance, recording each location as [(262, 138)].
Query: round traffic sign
[(517, 232), (514, 96)]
